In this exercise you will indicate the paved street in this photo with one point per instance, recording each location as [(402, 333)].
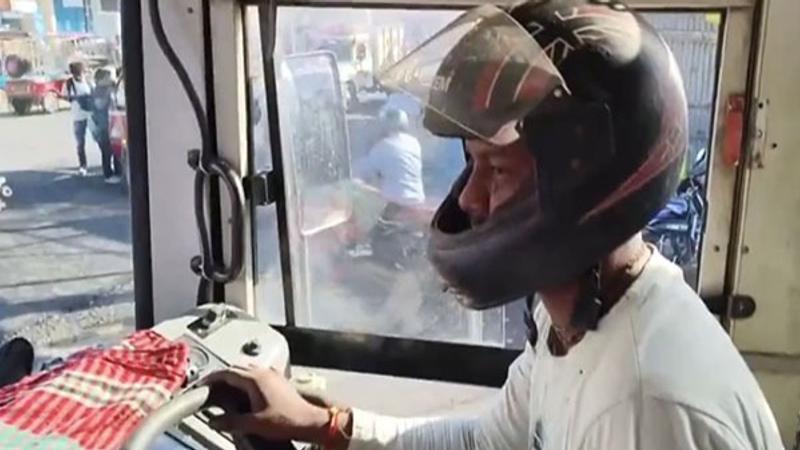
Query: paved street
[(65, 267)]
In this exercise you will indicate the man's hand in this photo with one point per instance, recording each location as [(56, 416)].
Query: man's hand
[(279, 412), (363, 185)]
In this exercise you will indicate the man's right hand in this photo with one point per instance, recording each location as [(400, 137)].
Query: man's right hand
[(279, 412)]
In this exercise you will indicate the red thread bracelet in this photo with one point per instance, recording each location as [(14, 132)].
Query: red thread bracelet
[(333, 427)]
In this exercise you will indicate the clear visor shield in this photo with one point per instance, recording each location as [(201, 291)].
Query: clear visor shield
[(478, 77)]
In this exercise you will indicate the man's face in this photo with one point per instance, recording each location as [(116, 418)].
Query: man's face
[(498, 174)]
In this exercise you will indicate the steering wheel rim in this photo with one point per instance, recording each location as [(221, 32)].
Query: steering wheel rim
[(169, 414)]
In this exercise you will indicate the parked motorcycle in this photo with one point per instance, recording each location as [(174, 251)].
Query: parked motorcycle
[(678, 228), (395, 250), (396, 243)]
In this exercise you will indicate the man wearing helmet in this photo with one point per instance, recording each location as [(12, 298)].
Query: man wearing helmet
[(574, 119)]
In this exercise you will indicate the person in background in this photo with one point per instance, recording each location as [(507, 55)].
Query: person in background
[(101, 96), (394, 163), (443, 156), (78, 92), (394, 166)]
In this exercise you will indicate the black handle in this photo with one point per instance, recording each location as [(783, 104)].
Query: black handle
[(205, 265), (734, 306)]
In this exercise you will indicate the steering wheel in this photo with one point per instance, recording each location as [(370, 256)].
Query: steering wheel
[(191, 402)]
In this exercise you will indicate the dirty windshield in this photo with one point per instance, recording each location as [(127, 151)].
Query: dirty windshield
[(364, 178)]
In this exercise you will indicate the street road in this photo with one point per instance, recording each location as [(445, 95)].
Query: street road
[(65, 265)]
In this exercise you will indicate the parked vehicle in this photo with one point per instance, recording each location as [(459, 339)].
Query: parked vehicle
[(15, 45), (35, 70), (40, 91), (678, 228)]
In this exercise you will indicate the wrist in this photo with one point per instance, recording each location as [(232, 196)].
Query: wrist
[(315, 430), (340, 429), (330, 428)]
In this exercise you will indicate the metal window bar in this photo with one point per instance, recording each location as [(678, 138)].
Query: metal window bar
[(137, 164), (267, 14)]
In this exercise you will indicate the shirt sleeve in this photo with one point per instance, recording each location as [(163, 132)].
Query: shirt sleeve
[(504, 426), (656, 424)]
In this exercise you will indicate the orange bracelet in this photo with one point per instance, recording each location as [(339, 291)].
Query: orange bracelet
[(342, 426), (333, 427)]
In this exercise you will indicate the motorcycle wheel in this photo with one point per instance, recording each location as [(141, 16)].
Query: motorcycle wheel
[(682, 249), (21, 106), (667, 248)]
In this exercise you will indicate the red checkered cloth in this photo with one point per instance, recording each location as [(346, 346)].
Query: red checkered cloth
[(96, 399)]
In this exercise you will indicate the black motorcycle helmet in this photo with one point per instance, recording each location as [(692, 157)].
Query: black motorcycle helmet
[(597, 97)]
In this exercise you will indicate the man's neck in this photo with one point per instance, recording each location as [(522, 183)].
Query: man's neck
[(560, 301)]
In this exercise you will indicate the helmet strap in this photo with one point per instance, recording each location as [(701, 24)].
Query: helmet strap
[(530, 324), (590, 305), (589, 309)]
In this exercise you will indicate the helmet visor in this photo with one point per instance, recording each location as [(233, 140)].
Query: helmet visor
[(478, 77)]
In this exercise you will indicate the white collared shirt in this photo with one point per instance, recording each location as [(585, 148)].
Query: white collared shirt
[(659, 373)]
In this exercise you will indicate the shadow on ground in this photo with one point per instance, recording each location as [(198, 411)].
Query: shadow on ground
[(55, 199)]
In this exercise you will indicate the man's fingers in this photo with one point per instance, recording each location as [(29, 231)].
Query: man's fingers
[(228, 422), (240, 380)]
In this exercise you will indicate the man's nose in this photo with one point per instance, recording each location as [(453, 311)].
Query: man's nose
[(474, 200)]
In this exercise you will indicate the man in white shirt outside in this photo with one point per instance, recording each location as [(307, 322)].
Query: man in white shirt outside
[(394, 163), (575, 121), (78, 92), (444, 157), (393, 166)]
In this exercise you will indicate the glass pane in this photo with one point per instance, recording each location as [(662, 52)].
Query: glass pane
[(678, 229), (65, 241), (360, 196)]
